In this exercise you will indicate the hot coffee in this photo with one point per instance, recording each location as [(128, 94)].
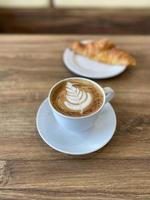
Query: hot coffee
[(76, 97)]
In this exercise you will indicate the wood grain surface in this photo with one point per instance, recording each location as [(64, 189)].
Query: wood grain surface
[(75, 21), (29, 169)]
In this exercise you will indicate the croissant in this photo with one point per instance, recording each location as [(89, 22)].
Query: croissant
[(104, 51)]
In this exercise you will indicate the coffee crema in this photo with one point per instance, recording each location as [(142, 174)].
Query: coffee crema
[(76, 98)]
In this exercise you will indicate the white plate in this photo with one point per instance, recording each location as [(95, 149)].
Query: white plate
[(75, 143), (86, 67)]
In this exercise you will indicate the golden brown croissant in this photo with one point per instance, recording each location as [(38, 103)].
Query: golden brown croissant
[(104, 51)]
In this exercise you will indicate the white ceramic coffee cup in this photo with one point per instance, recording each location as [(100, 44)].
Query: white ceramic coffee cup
[(84, 122)]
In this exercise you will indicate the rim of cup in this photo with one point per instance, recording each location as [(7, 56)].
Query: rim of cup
[(75, 117)]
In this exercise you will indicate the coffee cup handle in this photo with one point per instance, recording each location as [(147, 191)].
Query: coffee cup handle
[(109, 94)]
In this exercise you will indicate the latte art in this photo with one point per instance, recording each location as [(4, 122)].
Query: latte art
[(76, 99)]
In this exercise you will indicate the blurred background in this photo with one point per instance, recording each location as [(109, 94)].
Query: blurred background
[(75, 16)]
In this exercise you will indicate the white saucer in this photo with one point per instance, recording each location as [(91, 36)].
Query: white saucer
[(75, 143), (86, 67)]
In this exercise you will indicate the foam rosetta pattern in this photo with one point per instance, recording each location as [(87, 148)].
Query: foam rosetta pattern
[(76, 99)]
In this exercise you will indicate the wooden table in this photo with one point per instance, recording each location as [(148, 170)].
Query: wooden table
[(29, 169)]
